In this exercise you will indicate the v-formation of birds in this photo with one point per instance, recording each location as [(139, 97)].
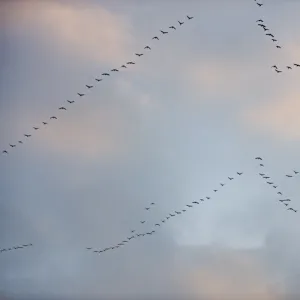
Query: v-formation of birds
[(262, 24), (105, 74)]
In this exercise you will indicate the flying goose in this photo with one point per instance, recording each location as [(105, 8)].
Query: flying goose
[(45, 123), (71, 101), (163, 32), (147, 47), (105, 74), (155, 38), (115, 70), (27, 135), (35, 128), (98, 79), (62, 108), (172, 27), (190, 18), (80, 95), (180, 23), (139, 54), (53, 117)]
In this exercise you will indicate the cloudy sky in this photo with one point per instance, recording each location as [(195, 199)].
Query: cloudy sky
[(197, 108)]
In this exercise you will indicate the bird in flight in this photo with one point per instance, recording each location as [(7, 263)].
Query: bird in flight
[(270, 182), (278, 71), (147, 208), (89, 86), (130, 63), (201, 199), (155, 38), (12, 145), (296, 172), (98, 79), (157, 224), (258, 158), (27, 135), (4, 152), (259, 4), (279, 193), (80, 95), (288, 175), (207, 198), (180, 23), (62, 108), (54, 118), (163, 32), (143, 222), (261, 174), (152, 203), (172, 27), (285, 200), (123, 66), (105, 74), (190, 18), (45, 123), (260, 20), (296, 65), (35, 128), (139, 54), (288, 67), (215, 191), (115, 70), (189, 205), (279, 47), (71, 101), (230, 178), (195, 202), (20, 142), (222, 184), (274, 67), (270, 34), (292, 209), (147, 47), (239, 173)]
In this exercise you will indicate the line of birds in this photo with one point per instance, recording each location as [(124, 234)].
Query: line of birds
[(15, 248), (270, 182), (124, 66), (261, 24), (157, 225)]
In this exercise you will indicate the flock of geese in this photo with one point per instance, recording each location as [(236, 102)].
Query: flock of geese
[(97, 79), (137, 235), (271, 183), (267, 32), (133, 233)]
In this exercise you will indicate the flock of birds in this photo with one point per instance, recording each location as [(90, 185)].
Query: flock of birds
[(97, 79), (261, 24), (133, 233), (136, 235), (270, 182)]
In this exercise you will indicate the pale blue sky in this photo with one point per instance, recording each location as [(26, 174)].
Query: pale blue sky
[(194, 110)]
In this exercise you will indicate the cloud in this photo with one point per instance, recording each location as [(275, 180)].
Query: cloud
[(89, 31)]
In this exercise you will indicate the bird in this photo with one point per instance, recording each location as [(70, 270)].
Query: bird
[(292, 209), (285, 200), (270, 34), (115, 70), (275, 186), (278, 71), (35, 128), (157, 224), (123, 66), (195, 202), (207, 198), (239, 173), (172, 215), (172, 27), (215, 191), (89, 86), (270, 182), (222, 184), (27, 135), (155, 38), (143, 222), (80, 95), (230, 178), (54, 118), (12, 145), (279, 193), (105, 74), (62, 108), (20, 142), (274, 67), (274, 40), (147, 47), (285, 204), (152, 203), (258, 158), (259, 4), (98, 79), (260, 20), (44, 123), (261, 25), (139, 54), (189, 205), (279, 47), (71, 101), (147, 208), (296, 172), (163, 32), (89, 248), (288, 67), (261, 174), (4, 152), (288, 175), (296, 65), (184, 210), (180, 23), (131, 63), (201, 199), (265, 28), (190, 18)]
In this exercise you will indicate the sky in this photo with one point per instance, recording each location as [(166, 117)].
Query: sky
[(193, 111)]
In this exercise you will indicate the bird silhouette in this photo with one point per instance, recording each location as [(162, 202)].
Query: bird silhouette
[(163, 32), (171, 215), (274, 67), (105, 74), (157, 224), (289, 176), (54, 118), (279, 193), (143, 222), (5, 152), (155, 38), (152, 203), (288, 67), (147, 208), (12, 145), (189, 205), (123, 66), (27, 135), (98, 79), (222, 184), (180, 23), (190, 18), (89, 86), (172, 27), (258, 158), (147, 47), (270, 34), (292, 209), (215, 191), (35, 128), (239, 173), (115, 70), (261, 174), (62, 108), (131, 63), (45, 123), (201, 199), (230, 178), (296, 172), (71, 101), (279, 47), (80, 95), (195, 202), (259, 4), (270, 182), (20, 142), (260, 20), (207, 198), (296, 65), (139, 54)]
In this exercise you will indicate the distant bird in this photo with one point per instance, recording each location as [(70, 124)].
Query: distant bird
[(190, 18), (80, 95), (157, 224), (274, 67), (115, 70), (167, 218), (258, 158), (139, 54), (288, 175), (12, 145), (132, 231), (239, 173), (130, 63), (260, 20), (195, 202), (222, 184), (259, 4), (20, 142), (123, 66), (292, 209), (270, 34), (89, 248), (180, 23), (143, 222), (288, 67), (261, 174), (207, 198), (297, 65), (163, 32), (45, 123), (189, 205), (89, 86), (62, 108), (152, 203), (105, 74), (35, 128), (172, 27), (98, 79), (155, 38), (71, 101), (215, 191), (279, 193), (171, 215), (147, 208), (285, 200), (261, 25), (4, 152), (270, 182), (261, 165), (201, 199), (296, 172), (27, 135), (53, 118), (285, 204), (279, 47), (147, 47), (275, 186), (230, 178), (163, 221), (184, 210)]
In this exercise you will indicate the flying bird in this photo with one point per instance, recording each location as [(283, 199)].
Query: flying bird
[(105, 74), (172, 215), (261, 174), (296, 172), (288, 175), (62, 108), (274, 40), (157, 224), (274, 67), (12, 145), (279, 193), (239, 173), (215, 190), (260, 20), (201, 199), (288, 67), (222, 184), (189, 205), (89, 86), (98, 79), (270, 182), (71, 101), (270, 34), (115, 70), (155, 38), (143, 222), (139, 54), (147, 208), (292, 209), (180, 23), (195, 202), (152, 203), (259, 4), (130, 63), (275, 186), (27, 135), (35, 128), (230, 178), (278, 47), (20, 142), (53, 118), (297, 65), (278, 71), (258, 158), (207, 198), (190, 18), (172, 27), (80, 95), (123, 66), (147, 47), (163, 32), (4, 151)]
